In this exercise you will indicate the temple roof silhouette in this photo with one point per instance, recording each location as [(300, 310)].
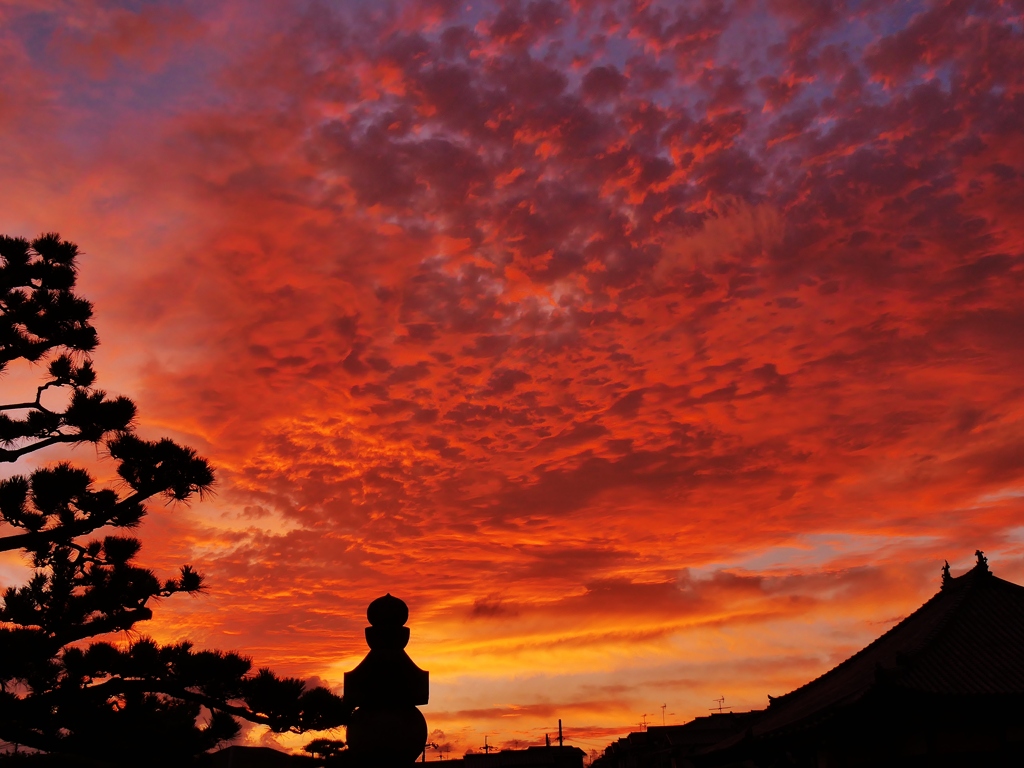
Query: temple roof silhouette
[(945, 686), (965, 641)]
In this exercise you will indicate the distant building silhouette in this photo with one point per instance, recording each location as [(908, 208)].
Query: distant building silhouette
[(255, 757), (668, 746), (943, 687), (531, 757)]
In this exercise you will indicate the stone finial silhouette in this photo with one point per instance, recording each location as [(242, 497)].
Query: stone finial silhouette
[(386, 728), (946, 578)]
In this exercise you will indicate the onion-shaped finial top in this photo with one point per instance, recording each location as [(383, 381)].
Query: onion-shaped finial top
[(387, 611)]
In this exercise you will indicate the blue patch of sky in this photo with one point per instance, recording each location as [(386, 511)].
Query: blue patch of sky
[(890, 17), (108, 101), (124, 99)]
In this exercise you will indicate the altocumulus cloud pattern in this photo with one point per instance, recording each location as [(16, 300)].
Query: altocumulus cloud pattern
[(650, 350)]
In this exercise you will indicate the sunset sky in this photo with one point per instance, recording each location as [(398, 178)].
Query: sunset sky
[(650, 351)]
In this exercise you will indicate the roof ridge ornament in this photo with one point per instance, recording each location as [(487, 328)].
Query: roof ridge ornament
[(982, 561), (946, 578)]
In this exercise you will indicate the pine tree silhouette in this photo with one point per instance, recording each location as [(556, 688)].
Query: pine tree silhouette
[(99, 700)]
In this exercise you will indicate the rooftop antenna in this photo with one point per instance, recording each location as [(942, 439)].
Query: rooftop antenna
[(721, 705), (663, 713), (486, 747), (429, 744), (643, 723), (559, 731)]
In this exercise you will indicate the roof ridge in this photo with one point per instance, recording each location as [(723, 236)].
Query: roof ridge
[(948, 590), (969, 581), (977, 579)]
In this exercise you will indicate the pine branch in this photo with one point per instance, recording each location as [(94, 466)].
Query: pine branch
[(8, 455), (37, 540), (120, 685), (101, 626)]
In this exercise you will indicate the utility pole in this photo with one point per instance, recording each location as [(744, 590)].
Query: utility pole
[(547, 739), (559, 731)]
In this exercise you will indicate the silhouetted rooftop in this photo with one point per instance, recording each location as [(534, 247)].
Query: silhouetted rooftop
[(700, 731), (967, 640), (659, 744), (553, 757), (254, 757)]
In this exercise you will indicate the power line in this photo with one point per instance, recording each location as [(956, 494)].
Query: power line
[(584, 741)]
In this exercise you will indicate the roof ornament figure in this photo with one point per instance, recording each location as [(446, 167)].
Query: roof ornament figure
[(946, 578), (982, 560)]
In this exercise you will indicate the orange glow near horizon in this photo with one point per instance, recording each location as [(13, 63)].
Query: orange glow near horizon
[(652, 352)]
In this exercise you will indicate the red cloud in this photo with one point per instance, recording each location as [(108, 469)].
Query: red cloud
[(521, 310)]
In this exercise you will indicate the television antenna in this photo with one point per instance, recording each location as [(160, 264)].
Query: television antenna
[(721, 705)]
